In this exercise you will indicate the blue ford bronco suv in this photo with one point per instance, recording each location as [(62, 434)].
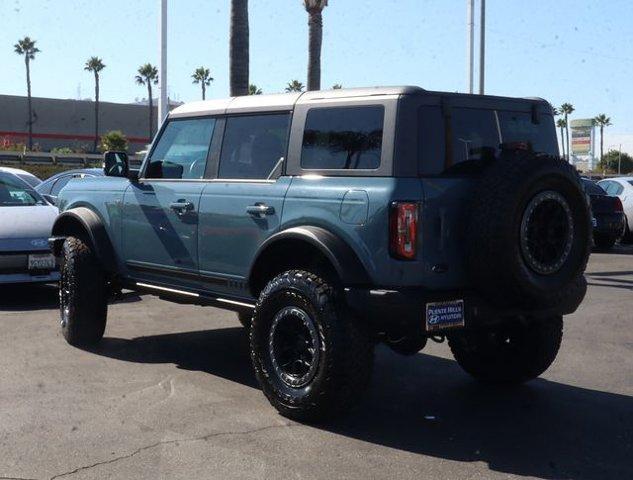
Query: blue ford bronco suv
[(330, 221)]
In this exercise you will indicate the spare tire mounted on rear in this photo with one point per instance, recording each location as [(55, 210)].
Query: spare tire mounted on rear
[(529, 232)]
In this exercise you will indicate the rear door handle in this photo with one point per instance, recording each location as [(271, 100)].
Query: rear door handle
[(181, 207), (260, 210)]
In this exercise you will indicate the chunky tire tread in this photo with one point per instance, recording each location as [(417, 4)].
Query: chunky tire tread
[(87, 301), (494, 257), (346, 349), (536, 350)]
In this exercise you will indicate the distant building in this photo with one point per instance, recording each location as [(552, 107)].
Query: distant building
[(70, 123)]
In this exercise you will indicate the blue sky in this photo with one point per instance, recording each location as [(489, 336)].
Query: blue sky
[(578, 51)]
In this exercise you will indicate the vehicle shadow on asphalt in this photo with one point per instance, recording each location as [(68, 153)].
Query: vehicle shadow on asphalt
[(23, 298), (426, 405), (28, 297)]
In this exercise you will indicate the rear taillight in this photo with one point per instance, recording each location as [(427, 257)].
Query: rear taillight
[(618, 205), (403, 230)]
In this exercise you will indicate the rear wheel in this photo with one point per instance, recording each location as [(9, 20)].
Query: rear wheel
[(83, 297), (511, 353), (310, 356)]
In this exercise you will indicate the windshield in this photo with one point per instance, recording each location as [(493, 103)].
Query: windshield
[(17, 193), (32, 180)]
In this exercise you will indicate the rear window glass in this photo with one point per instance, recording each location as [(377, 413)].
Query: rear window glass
[(475, 135), (518, 131), (254, 146), (343, 138), (593, 188)]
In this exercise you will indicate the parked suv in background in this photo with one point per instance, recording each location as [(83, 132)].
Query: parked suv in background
[(333, 220)]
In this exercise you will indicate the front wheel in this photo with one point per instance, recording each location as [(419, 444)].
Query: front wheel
[(512, 353), (310, 356), (83, 299)]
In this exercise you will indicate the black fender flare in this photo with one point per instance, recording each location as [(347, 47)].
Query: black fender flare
[(82, 219), (342, 257)]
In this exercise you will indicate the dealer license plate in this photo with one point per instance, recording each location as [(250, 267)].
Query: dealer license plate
[(41, 261), (441, 315)]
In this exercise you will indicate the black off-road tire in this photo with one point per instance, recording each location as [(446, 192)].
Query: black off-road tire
[(245, 319), (345, 349), (501, 260), (510, 353), (627, 237), (83, 296), (604, 242)]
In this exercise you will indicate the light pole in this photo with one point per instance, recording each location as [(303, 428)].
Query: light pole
[(482, 46), (163, 107), (619, 156), (470, 43)]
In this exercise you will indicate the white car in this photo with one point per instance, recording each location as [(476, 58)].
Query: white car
[(26, 220), (622, 187), (28, 177)]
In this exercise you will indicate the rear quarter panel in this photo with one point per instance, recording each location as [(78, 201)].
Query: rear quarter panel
[(336, 204)]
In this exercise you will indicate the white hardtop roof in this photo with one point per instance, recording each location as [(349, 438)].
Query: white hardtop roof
[(282, 101)]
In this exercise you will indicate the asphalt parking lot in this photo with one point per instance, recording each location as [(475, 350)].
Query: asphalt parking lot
[(170, 394)]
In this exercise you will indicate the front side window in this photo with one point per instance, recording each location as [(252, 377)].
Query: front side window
[(17, 193), (519, 131), (181, 152), (254, 146), (343, 138)]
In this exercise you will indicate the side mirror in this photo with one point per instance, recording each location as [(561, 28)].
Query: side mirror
[(116, 164)]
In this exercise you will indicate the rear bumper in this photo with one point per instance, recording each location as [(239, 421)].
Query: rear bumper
[(611, 224), (404, 310)]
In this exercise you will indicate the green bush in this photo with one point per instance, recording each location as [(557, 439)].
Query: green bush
[(610, 160), (62, 150), (114, 140)]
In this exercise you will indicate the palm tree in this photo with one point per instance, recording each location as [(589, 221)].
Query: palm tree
[(602, 121), (203, 77), (561, 124), (337, 86), (294, 86), (27, 47), (239, 54), (567, 109), (148, 74), (254, 89), (95, 65), (315, 25)]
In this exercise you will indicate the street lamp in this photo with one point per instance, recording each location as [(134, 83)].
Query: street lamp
[(619, 157), (163, 107)]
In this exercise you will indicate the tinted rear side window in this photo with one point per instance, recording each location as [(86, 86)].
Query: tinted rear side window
[(343, 138), (518, 131), (254, 146), (431, 137)]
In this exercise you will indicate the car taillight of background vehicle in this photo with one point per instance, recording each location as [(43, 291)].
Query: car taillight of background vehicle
[(618, 205), (403, 230)]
